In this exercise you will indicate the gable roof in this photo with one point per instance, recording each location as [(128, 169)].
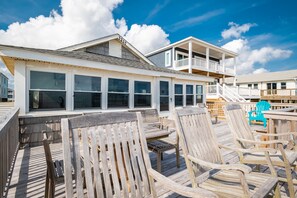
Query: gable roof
[(201, 42), (118, 37), (71, 58)]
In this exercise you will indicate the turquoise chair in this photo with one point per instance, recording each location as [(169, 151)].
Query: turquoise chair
[(257, 114)]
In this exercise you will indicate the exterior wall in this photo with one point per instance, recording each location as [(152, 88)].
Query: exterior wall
[(99, 49), (290, 84), (159, 59), (22, 85)]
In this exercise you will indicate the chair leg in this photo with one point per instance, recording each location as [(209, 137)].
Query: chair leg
[(159, 154), (46, 186), (177, 156)]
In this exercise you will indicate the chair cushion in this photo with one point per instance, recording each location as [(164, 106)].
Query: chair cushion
[(277, 159)]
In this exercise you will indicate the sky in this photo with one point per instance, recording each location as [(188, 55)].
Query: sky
[(262, 32)]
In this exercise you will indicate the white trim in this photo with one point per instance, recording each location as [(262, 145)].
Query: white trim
[(196, 40), (168, 53)]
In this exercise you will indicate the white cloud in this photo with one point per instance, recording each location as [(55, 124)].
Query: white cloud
[(236, 30), (260, 71), (249, 58), (80, 20)]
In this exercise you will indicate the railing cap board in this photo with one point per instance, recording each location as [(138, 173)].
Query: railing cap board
[(8, 117), (282, 114)]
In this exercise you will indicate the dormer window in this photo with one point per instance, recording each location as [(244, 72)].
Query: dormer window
[(168, 58)]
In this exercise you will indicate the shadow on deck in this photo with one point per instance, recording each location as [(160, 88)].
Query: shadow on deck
[(28, 179)]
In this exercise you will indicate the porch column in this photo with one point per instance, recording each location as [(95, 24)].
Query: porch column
[(207, 58), (223, 61), (234, 66), (190, 56), (20, 86), (173, 58)]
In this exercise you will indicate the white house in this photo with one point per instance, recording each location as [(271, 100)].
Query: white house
[(278, 86), (100, 75)]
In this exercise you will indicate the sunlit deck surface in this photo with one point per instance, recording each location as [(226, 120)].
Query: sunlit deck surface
[(28, 179)]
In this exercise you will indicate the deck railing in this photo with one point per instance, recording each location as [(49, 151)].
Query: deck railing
[(279, 92), (282, 121), (9, 144)]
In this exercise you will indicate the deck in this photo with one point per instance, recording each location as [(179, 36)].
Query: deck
[(29, 172)]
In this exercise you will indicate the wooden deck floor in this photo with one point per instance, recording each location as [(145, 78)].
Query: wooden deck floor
[(29, 172)]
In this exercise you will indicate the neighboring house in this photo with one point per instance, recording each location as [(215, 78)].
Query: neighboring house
[(3, 87), (206, 59), (274, 86), (105, 74), (10, 95)]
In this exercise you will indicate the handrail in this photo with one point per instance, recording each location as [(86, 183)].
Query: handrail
[(9, 144)]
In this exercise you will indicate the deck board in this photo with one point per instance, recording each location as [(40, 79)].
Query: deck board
[(28, 178)]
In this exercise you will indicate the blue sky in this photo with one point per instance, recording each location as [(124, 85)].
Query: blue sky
[(269, 43)]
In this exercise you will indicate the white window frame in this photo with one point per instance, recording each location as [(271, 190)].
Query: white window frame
[(182, 94), (146, 94), (108, 92), (81, 91), (193, 94), (168, 53), (49, 90), (195, 98)]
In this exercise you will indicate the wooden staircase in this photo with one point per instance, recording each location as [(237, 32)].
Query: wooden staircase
[(215, 105)]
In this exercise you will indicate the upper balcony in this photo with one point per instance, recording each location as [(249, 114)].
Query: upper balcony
[(196, 56)]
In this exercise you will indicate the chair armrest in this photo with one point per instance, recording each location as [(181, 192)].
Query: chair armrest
[(253, 150), (238, 167), (178, 188), (276, 134), (250, 112), (263, 142)]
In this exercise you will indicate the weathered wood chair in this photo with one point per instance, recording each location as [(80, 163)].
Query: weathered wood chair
[(151, 120), (257, 114), (206, 165), (55, 171), (115, 156), (245, 138)]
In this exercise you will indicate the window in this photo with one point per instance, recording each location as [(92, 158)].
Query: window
[(199, 94), (178, 95), (283, 85), (142, 94), (164, 96), (118, 93), (168, 58), (47, 90), (189, 95), (87, 92), (255, 86), (250, 85), (181, 56)]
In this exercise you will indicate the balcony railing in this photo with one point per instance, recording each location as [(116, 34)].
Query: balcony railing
[(279, 92), (200, 63)]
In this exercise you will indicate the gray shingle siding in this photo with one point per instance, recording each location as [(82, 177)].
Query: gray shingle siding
[(159, 59), (102, 48)]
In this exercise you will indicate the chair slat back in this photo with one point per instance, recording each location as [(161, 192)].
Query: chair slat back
[(262, 106), (109, 147), (196, 134), (148, 115), (238, 124)]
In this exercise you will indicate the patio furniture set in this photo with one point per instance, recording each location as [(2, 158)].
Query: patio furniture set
[(107, 155)]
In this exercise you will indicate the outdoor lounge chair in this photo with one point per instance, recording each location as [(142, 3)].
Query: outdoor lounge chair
[(258, 113), (115, 157), (205, 163), (245, 138)]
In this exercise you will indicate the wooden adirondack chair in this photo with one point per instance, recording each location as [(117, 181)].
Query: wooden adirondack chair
[(258, 113), (206, 165), (115, 157), (245, 138)]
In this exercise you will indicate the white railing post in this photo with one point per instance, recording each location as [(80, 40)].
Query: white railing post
[(223, 61), (207, 58), (190, 56), (250, 91), (237, 89), (218, 90), (173, 58)]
